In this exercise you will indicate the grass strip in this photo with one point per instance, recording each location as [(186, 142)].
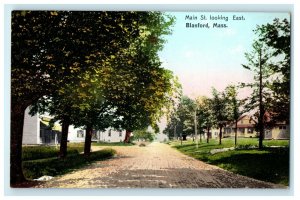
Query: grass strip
[(56, 166)]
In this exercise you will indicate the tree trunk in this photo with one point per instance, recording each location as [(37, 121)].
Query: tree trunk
[(127, 136), (235, 133), (175, 134), (208, 135), (88, 140), (181, 138), (64, 138), (16, 137), (261, 107), (220, 135)]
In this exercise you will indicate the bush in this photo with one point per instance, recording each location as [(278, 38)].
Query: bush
[(55, 166), (142, 135)]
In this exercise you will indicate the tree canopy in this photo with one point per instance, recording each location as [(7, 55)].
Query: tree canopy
[(71, 62)]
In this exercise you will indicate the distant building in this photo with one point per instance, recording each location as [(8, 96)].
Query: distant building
[(109, 135), (246, 128)]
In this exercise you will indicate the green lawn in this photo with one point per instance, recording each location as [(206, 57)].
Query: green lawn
[(40, 152), (43, 160), (270, 164)]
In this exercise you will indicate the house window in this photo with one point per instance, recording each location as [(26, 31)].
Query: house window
[(120, 133), (282, 127), (241, 130), (250, 130), (109, 133), (80, 133), (227, 130)]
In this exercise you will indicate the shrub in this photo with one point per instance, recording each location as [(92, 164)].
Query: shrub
[(143, 135)]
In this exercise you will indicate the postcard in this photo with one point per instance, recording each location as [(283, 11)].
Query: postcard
[(140, 99)]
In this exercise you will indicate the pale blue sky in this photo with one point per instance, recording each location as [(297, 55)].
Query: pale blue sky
[(203, 58)]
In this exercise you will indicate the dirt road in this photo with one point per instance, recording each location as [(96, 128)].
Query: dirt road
[(154, 166)]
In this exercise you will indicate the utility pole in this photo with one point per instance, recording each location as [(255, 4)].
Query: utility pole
[(195, 123)]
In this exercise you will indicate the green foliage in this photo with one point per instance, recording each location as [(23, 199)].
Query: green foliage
[(259, 60), (205, 113), (218, 106), (56, 166), (50, 49), (277, 36), (143, 135), (270, 63), (270, 164), (93, 69), (137, 87), (182, 119), (233, 105)]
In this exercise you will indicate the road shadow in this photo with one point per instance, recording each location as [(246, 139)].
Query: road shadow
[(178, 178)]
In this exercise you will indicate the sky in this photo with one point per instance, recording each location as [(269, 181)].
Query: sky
[(203, 58)]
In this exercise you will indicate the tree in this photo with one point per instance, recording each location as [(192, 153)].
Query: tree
[(259, 63), (51, 49), (182, 119), (277, 36), (205, 115), (137, 87), (218, 105), (233, 107), (186, 110), (143, 135)]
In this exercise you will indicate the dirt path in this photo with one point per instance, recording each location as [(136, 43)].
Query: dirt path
[(154, 166)]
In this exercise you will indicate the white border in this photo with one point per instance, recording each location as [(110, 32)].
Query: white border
[(186, 7)]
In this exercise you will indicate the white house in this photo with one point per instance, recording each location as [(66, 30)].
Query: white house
[(36, 130), (109, 135), (31, 129)]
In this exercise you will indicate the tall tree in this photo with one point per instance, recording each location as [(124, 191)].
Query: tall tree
[(277, 36), (259, 63), (218, 104), (233, 107), (205, 115), (50, 49), (182, 119), (138, 88)]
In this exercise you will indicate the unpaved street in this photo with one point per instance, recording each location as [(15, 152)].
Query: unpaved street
[(154, 166)]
